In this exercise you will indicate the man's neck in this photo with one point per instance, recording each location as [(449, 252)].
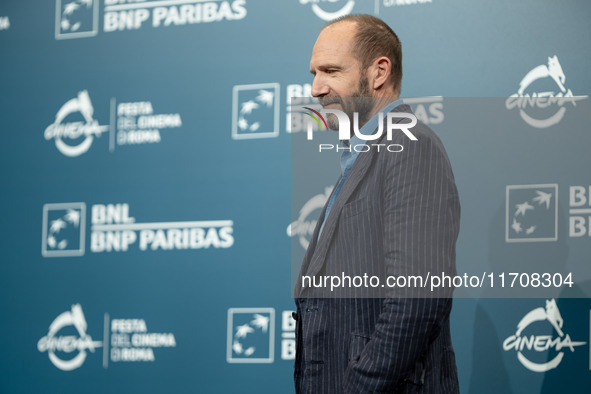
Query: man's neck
[(379, 103)]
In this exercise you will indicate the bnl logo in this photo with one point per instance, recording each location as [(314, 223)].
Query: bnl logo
[(255, 111), (76, 18), (251, 335), (531, 213), (63, 229)]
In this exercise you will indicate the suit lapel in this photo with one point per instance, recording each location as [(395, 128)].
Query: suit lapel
[(313, 242), (357, 173)]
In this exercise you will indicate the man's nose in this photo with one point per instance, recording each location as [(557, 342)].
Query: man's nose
[(319, 87)]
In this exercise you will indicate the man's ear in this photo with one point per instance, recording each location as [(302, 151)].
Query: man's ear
[(381, 68)]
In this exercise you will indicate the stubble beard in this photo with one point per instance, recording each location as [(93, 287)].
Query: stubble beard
[(359, 102)]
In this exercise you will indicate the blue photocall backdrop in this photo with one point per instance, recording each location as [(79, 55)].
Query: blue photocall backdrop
[(149, 216)]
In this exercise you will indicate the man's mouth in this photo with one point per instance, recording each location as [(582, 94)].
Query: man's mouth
[(330, 105), (326, 102)]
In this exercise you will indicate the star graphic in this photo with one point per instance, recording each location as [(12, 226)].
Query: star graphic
[(70, 8), (516, 226), (543, 198), (248, 106), (243, 330), (73, 217), (242, 123), (523, 208), (57, 225), (261, 322), (265, 97), (237, 347)]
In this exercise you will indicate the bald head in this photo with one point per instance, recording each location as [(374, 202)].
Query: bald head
[(372, 39)]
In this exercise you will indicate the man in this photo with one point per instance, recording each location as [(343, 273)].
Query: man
[(390, 214)]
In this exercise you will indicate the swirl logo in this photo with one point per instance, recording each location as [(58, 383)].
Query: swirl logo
[(332, 12), (531, 344), (64, 344), (80, 133), (304, 226), (536, 108)]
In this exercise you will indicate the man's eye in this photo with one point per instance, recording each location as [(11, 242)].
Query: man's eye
[(331, 71)]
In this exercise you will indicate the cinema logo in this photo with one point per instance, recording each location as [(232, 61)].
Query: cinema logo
[(328, 10), (132, 123), (114, 230), (304, 226), (60, 344), (532, 346), (128, 340), (74, 129), (546, 108)]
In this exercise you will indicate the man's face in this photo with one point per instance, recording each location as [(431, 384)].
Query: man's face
[(338, 75)]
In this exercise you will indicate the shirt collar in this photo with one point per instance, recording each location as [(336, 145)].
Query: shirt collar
[(371, 125), (348, 158)]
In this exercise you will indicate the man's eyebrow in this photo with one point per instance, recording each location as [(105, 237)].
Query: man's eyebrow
[(325, 67)]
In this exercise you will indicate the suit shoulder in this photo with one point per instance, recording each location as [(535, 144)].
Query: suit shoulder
[(421, 131)]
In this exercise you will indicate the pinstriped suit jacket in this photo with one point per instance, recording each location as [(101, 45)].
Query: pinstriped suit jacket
[(396, 214)]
